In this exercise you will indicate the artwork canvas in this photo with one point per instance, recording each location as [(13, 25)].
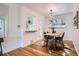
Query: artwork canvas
[(58, 23), (30, 23)]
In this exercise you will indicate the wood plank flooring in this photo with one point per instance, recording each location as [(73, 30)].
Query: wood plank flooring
[(36, 49)]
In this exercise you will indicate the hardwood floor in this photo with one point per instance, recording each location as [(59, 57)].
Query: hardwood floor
[(36, 49)]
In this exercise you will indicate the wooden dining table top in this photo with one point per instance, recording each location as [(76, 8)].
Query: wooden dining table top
[(54, 34)]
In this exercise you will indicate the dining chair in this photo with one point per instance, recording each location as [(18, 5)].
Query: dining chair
[(47, 32), (44, 32), (44, 40), (59, 44)]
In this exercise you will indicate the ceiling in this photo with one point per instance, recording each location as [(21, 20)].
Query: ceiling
[(43, 8)]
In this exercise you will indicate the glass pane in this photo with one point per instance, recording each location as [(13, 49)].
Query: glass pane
[(3, 20), (2, 26)]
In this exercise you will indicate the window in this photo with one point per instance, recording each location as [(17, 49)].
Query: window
[(2, 27)]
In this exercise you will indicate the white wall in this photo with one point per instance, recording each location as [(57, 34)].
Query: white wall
[(30, 37), (76, 32), (69, 25), (2, 10), (16, 36), (11, 42)]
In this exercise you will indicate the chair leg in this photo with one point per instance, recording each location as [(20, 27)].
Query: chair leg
[(62, 44), (45, 43), (55, 44)]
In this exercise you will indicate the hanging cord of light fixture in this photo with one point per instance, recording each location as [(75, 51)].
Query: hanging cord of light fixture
[(51, 14)]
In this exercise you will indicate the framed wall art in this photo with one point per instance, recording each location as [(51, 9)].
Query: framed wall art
[(58, 23), (30, 24)]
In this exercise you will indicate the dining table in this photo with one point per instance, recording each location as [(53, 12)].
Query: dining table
[(53, 35)]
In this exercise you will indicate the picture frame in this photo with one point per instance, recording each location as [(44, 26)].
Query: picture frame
[(76, 20), (30, 24), (58, 23)]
